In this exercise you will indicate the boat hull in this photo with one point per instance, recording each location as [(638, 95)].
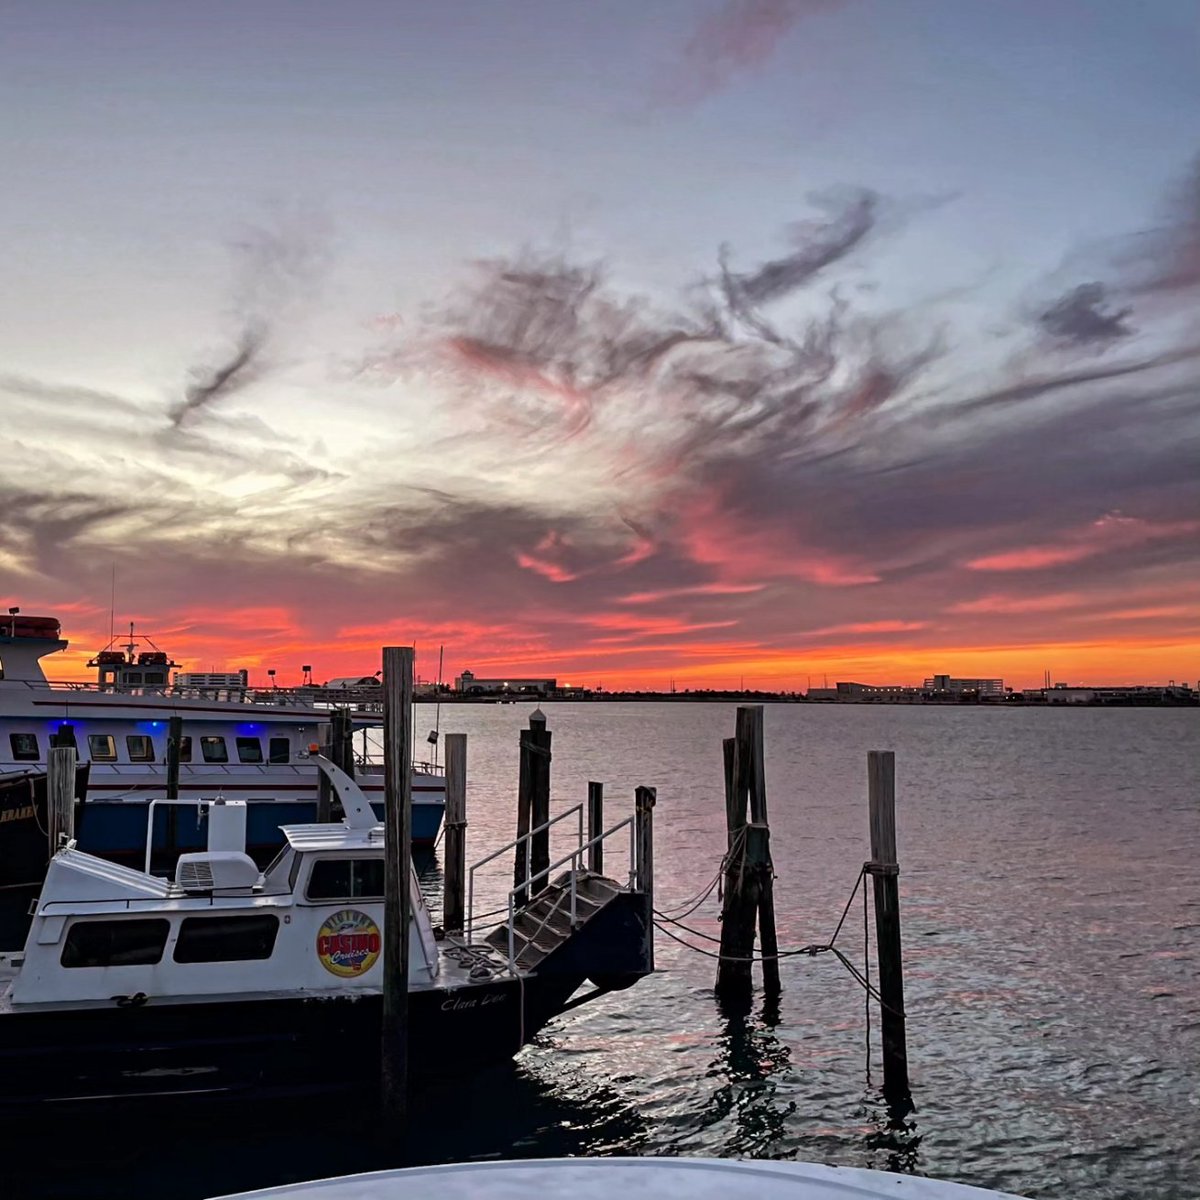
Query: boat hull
[(261, 1048)]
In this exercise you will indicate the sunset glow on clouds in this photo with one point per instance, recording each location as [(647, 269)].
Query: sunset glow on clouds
[(601, 368)]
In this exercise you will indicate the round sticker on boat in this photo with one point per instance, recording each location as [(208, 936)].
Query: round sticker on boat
[(348, 943)]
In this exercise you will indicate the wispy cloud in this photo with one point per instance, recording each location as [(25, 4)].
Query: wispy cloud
[(733, 39), (1113, 531)]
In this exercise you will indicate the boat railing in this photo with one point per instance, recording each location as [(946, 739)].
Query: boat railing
[(318, 699)]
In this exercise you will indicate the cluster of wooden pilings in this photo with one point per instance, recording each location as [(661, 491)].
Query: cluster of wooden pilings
[(748, 905)]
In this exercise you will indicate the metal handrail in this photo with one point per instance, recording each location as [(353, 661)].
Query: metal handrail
[(200, 805), (575, 856), (317, 700), (527, 839)]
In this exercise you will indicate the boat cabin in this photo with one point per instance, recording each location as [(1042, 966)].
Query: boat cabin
[(311, 923)]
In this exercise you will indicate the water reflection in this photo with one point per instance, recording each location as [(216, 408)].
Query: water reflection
[(752, 1061), (892, 1143), (504, 1112)]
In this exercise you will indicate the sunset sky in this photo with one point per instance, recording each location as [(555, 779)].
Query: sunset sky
[(630, 343)]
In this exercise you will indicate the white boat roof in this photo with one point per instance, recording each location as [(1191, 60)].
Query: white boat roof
[(604, 1178), (333, 837), (74, 876)]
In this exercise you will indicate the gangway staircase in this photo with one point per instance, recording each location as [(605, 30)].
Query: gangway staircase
[(579, 923)]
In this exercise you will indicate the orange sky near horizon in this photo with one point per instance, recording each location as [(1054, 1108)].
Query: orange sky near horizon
[(1142, 658)]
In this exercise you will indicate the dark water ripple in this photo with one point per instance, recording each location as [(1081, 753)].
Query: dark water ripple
[(1051, 902)]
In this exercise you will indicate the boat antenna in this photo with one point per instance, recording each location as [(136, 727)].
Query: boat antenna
[(437, 710)]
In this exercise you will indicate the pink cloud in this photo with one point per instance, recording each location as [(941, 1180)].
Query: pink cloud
[(697, 589), (740, 36), (1018, 604), (1113, 531), (868, 627), (740, 552)]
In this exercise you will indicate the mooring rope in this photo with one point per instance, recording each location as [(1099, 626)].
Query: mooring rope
[(862, 978)]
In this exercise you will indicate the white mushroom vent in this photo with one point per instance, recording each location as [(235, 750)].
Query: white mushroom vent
[(214, 871)]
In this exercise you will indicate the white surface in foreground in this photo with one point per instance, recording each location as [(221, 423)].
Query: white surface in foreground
[(628, 1179)]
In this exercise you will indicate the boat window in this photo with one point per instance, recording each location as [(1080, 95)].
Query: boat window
[(185, 749), (346, 879), (127, 943), (226, 939), (64, 737), (140, 747), (213, 749), (24, 746), (279, 750), (156, 677), (249, 750), (102, 747), (133, 677)]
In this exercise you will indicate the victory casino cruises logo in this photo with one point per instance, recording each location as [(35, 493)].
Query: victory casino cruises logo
[(348, 943)]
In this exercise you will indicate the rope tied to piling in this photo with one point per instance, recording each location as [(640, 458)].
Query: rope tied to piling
[(811, 950)]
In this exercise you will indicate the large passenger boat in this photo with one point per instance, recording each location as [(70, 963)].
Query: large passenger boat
[(238, 742)]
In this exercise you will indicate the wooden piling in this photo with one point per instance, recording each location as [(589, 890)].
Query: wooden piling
[(539, 800), (342, 740), (737, 915), (455, 869), (324, 787), (521, 854), (748, 902), (595, 827), (174, 746), (644, 799), (60, 795), (758, 847), (174, 757), (397, 901), (884, 870)]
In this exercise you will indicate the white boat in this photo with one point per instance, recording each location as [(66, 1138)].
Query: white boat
[(606, 1178), (247, 744), (224, 980)]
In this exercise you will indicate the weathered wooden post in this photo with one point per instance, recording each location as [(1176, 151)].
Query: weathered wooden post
[(524, 805), (748, 895), (60, 795), (174, 746), (737, 935), (454, 891), (644, 799), (595, 827), (342, 739), (397, 900), (324, 787), (539, 799), (885, 871), (758, 839), (174, 757)]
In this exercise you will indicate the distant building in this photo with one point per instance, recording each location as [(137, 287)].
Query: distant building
[(981, 687), (860, 693), (469, 684), (353, 681), (1063, 693), (212, 680)]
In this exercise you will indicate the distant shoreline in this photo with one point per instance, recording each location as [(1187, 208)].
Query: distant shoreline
[(748, 697)]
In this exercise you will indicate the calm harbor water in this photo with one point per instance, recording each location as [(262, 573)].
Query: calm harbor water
[(1050, 891)]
